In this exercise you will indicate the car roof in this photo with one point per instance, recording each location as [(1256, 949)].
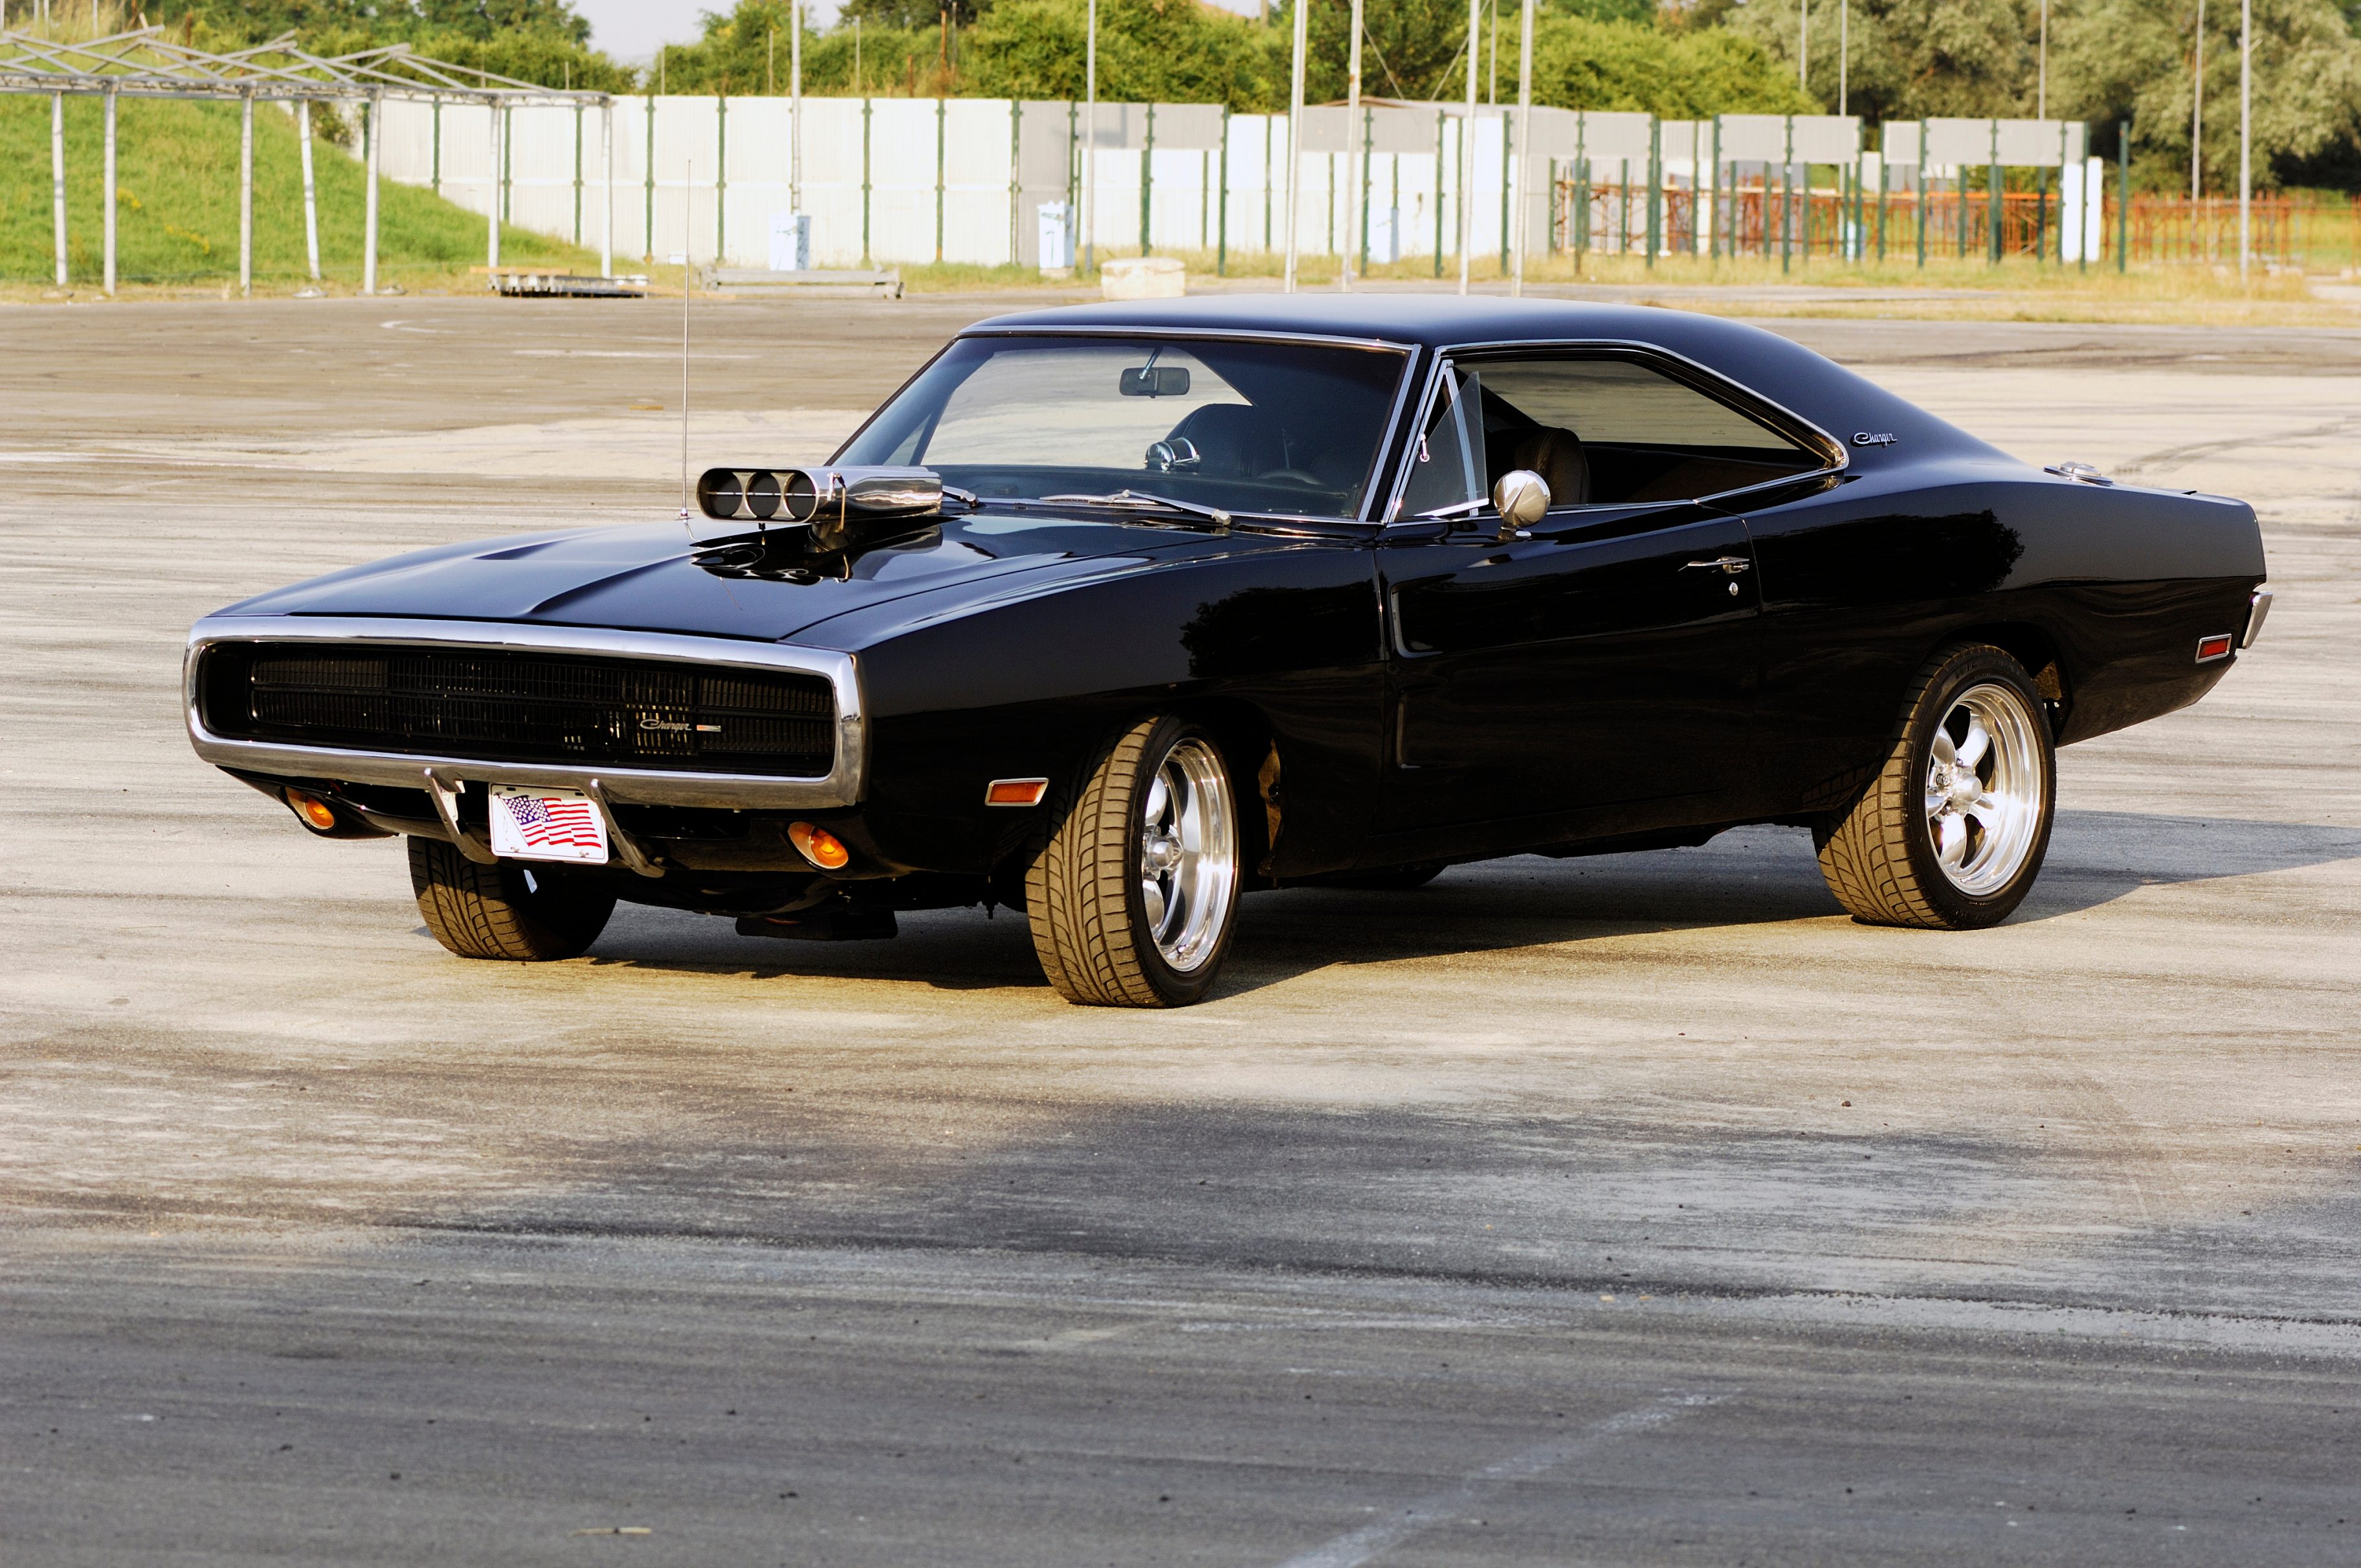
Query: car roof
[(1784, 372)]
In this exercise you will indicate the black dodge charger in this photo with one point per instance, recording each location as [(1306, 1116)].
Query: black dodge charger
[(1113, 614)]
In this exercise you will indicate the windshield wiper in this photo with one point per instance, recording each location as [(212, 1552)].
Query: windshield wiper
[(1140, 500)]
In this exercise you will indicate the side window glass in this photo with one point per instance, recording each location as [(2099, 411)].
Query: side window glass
[(1448, 469), (1606, 431)]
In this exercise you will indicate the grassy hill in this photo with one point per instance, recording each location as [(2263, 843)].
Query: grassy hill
[(176, 203)]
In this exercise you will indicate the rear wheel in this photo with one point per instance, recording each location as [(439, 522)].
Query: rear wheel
[(504, 911), (1132, 898), (1952, 833)]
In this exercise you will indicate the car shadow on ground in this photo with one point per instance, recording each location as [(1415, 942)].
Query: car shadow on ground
[(1750, 876)]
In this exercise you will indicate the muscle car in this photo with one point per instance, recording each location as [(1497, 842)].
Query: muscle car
[(1113, 614)]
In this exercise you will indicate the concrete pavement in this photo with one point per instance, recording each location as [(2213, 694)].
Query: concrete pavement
[(1624, 1210)]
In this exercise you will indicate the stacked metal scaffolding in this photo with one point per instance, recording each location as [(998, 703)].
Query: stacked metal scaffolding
[(146, 63)]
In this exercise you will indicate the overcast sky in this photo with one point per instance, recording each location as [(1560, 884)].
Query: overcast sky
[(633, 30)]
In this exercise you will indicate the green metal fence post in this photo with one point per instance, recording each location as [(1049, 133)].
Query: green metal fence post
[(1655, 188), (649, 233), (1881, 198), (435, 181), (1222, 252), (2124, 196), (1147, 177), (577, 174), (1507, 150), (721, 178), (1369, 135), (1438, 193), (1786, 196), (1922, 195), (866, 108), (1996, 202), (942, 121), (1015, 181)]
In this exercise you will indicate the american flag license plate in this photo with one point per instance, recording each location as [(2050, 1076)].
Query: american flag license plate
[(534, 824)]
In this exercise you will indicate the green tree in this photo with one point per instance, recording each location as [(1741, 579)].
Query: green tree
[(2116, 60), (1908, 59)]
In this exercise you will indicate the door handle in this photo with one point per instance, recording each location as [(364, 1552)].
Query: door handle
[(1733, 564)]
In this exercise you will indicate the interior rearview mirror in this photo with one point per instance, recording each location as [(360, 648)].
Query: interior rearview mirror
[(1155, 381), (1521, 498)]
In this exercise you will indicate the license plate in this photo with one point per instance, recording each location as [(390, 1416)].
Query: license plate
[(535, 824)]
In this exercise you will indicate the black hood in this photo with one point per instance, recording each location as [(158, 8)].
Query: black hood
[(639, 577)]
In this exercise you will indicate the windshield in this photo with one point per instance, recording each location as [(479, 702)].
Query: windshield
[(1249, 427)]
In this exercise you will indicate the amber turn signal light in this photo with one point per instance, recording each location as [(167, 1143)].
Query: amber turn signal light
[(315, 813), (820, 847), (1015, 792)]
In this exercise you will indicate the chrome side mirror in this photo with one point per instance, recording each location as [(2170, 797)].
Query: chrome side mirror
[(1521, 498)]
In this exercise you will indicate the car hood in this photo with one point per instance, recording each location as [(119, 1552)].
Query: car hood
[(640, 578)]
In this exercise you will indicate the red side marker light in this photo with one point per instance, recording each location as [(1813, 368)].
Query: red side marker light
[(2211, 648), (1015, 792), (314, 812), (817, 845)]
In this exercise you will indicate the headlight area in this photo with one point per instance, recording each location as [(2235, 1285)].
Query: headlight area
[(820, 876)]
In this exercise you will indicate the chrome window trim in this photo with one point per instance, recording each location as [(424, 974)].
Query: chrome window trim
[(1744, 395), (841, 786), (1408, 351)]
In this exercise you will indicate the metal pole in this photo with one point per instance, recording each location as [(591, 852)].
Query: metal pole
[(1803, 45), (2041, 80), (1787, 179), (245, 194), (492, 203), (57, 179), (1466, 146), (2246, 130), (607, 162), (368, 208), (1091, 139), (942, 156), (2197, 119), (577, 174), (1294, 139), (1355, 153), (795, 107), (1922, 195), (106, 193), (1525, 135), (721, 179), (310, 191), (1844, 45)]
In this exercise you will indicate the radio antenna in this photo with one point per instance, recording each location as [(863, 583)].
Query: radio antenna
[(687, 282)]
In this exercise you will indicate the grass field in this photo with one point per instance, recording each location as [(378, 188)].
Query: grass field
[(176, 204)]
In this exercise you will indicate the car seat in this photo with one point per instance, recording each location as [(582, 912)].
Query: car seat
[(1234, 440), (1552, 451)]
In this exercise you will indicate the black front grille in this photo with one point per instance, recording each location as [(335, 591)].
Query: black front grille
[(518, 707)]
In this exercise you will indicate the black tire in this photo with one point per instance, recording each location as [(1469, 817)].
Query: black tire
[(1083, 896), (505, 911), (1882, 858), (1389, 879)]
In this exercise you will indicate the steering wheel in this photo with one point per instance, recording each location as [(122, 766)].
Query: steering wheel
[(1292, 475)]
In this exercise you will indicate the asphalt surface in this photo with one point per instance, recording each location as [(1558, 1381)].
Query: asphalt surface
[(1639, 1209)]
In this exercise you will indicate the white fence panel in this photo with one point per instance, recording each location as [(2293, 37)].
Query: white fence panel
[(979, 172), (835, 135)]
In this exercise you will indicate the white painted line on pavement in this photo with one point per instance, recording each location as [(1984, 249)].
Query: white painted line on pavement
[(1350, 1550)]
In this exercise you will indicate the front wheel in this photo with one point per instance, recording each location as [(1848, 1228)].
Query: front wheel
[(504, 911), (1132, 898), (1952, 833)]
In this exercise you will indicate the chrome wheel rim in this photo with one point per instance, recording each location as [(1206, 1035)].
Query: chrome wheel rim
[(1188, 854), (1984, 787)]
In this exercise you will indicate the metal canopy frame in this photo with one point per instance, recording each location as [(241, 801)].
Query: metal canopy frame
[(145, 63)]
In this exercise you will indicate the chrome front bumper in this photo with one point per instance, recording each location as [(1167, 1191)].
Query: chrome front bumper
[(841, 786)]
